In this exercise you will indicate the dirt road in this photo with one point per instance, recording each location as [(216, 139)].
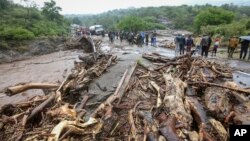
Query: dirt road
[(54, 67)]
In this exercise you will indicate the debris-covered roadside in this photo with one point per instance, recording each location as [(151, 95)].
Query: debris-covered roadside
[(181, 98), (62, 103), (36, 118)]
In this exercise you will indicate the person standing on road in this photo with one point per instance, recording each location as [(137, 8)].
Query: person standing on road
[(146, 38), (209, 44), (204, 45), (152, 40), (117, 35), (177, 44), (142, 37), (198, 44), (244, 48), (139, 40), (189, 43), (233, 43), (182, 44), (130, 38), (109, 35), (121, 36), (216, 45), (112, 37)]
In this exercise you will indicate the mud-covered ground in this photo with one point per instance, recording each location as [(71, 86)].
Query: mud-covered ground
[(54, 67)]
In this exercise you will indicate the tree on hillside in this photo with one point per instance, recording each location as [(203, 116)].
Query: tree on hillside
[(213, 16), (51, 11), (132, 24), (4, 4), (77, 21), (29, 5)]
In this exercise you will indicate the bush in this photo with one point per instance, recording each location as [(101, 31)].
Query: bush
[(248, 25), (227, 30), (213, 16), (47, 28), (16, 34), (135, 24)]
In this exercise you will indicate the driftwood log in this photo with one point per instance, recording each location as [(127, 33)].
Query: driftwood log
[(21, 88), (174, 99), (240, 90)]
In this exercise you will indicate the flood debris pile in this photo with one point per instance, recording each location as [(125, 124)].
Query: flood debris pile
[(86, 43), (181, 98), (167, 44), (60, 111)]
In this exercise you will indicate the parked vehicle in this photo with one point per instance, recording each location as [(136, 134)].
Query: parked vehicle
[(96, 30)]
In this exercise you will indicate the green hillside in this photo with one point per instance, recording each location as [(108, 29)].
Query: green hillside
[(226, 19), (19, 22)]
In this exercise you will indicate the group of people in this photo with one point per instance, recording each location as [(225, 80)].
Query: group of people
[(81, 32), (138, 38), (203, 43), (234, 41)]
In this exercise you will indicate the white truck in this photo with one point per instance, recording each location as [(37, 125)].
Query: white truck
[(96, 30)]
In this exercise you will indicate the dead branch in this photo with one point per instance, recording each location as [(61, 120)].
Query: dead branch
[(240, 90), (132, 124), (226, 75), (21, 88), (157, 88), (39, 108), (229, 116)]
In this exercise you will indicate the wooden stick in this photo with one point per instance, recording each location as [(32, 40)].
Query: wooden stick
[(157, 88), (21, 88), (240, 90), (226, 75), (132, 124), (82, 103), (39, 108)]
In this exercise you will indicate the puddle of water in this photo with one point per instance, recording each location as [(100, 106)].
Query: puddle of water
[(242, 79)]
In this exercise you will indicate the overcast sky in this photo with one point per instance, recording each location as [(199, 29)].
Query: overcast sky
[(99, 6)]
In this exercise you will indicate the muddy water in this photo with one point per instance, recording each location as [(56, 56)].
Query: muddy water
[(49, 68)]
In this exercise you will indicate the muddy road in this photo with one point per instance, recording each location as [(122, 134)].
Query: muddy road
[(52, 68), (49, 68)]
